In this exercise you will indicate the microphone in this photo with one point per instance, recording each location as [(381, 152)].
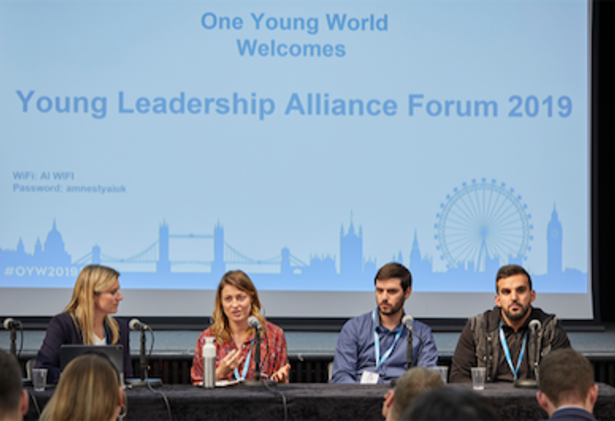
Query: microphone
[(136, 324), (253, 322), (10, 323), (408, 321), (534, 327), (139, 326)]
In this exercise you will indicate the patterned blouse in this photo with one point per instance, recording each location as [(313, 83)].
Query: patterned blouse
[(273, 353)]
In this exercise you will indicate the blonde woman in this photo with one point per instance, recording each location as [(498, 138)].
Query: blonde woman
[(89, 390), (236, 300), (87, 320)]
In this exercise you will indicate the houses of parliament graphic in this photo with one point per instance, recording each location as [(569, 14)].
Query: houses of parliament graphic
[(481, 226)]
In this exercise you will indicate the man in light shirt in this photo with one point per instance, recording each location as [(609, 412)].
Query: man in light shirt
[(373, 348)]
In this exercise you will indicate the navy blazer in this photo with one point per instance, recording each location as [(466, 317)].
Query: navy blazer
[(62, 331), (572, 414)]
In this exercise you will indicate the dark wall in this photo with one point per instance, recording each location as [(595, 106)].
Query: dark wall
[(604, 167)]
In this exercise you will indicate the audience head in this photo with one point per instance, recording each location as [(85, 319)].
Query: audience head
[(566, 378), (409, 385), (13, 398), (89, 390), (450, 403)]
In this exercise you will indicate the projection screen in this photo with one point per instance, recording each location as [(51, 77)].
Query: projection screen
[(305, 142)]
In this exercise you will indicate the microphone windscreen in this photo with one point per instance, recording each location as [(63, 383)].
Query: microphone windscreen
[(7, 323), (134, 324), (535, 324), (253, 322), (408, 321)]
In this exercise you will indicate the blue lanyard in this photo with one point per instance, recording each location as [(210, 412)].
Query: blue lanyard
[(377, 344), (246, 364), (515, 371)]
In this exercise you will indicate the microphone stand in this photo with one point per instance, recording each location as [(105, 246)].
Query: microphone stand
[(13, 347), (408, 323), (533, 352), (13, 341), (143, 358), (143, 367), (409, 357), (537, 356), (257, 361), (257, 356)]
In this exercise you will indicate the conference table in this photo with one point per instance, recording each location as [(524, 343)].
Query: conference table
[(305, 401)]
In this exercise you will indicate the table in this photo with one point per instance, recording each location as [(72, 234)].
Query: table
[(308, 402)]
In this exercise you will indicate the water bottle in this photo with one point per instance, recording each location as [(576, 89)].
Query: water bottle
[(209, 363)]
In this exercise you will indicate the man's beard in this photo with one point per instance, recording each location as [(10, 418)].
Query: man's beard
[(394, 309), (517, 316)]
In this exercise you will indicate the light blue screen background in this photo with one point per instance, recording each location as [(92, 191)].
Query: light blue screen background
[(300, 200)]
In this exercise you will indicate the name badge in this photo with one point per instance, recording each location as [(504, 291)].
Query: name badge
[(369, 377)]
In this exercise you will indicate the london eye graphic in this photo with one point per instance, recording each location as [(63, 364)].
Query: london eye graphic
[(483, 220)]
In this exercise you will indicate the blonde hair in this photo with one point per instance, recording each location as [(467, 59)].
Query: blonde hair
[(88, 391), (92, 280), (242, 282)]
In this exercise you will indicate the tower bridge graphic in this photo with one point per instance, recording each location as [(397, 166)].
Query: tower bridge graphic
[(481, 225), (286, 270), (224, 254)]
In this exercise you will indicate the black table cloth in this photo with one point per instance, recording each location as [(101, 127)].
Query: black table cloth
[(306, 401)]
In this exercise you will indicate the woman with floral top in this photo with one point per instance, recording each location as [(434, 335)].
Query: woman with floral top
[(236, 301)]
